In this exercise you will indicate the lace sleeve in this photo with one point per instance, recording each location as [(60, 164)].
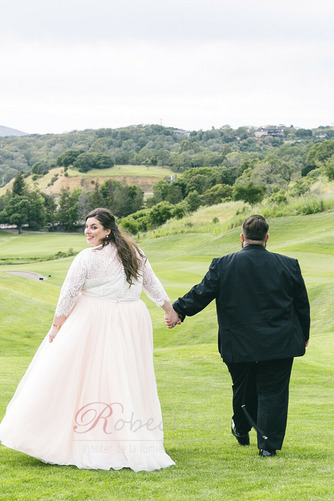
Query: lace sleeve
[(152, 286), (72, 285)]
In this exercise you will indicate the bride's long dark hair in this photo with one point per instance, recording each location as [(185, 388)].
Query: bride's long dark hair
[(128, 251)]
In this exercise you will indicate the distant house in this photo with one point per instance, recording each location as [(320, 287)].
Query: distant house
[(322, 135), (271, 130), (181, 132)]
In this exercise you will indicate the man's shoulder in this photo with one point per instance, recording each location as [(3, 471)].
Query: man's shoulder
[(225, 259), (282, 257), (281, 260), (239, 254)]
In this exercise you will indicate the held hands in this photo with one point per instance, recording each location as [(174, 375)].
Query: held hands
[(172, 318)]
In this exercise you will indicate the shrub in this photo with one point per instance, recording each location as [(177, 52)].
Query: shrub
[(129, 224)]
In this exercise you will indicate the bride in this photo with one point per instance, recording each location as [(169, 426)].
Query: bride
[(89, 397)]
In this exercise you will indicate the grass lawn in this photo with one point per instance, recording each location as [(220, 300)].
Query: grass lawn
[(193, 383), (30, 245)]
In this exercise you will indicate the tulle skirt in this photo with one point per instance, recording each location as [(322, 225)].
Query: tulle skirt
[(90, 399)]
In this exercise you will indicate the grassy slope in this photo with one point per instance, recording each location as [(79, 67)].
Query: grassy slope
[(194, 385), (130, 174)]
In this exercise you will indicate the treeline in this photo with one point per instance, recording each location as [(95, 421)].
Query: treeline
[(34, 209), (23, 206), (251, 181), (149, 145)]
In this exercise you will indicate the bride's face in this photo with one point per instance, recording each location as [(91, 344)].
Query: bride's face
[(94, 231)]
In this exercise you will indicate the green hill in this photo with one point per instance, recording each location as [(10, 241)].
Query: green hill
[(55, 179), (180, 252), (155, 145)]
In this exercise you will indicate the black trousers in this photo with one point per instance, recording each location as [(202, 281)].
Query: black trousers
[(263, 387)]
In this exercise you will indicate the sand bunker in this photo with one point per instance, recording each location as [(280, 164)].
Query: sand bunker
[(28, 274)]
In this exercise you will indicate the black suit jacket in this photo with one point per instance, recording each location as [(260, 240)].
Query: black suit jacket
[(262, 305)]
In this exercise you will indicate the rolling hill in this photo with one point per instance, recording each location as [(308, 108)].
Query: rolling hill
[(194, 385), (55, 179)]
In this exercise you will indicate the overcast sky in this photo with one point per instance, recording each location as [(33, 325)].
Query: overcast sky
[(191, 64)]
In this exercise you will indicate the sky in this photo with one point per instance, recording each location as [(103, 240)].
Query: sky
[(192, 64)]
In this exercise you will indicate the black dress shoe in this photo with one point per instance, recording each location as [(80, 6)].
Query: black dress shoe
[(266, 454), (243, 439)]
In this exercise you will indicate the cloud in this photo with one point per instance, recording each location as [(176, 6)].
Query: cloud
[(188, 63), (175, 21), (197, 86)]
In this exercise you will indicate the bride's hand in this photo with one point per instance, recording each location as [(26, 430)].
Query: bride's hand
[(52, 333)]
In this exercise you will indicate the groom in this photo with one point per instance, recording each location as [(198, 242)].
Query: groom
[(264, 319)]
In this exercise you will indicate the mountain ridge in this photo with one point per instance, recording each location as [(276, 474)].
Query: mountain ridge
[(8, 131)]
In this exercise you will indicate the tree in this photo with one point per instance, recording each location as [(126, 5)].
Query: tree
[(68, 213), (228, 175), (68, 158), (272, 171), (84, 205), (180, 210), (160, 213), (40, 168), (199, 183), (176, 192), (89, 161), (160, 192), (84, 162), (162, 157), (329, 168), (112, 192), (123, 158), (303, 133), (144, 157), (138, 221), (19, 186), (278, 197), (36, 211), (49, 208), (249, 193), (16, 211), (103, 161), (193, 200), (216, 194), (318, 155), (96, 198), (129, 224), (133, 200), (142, 218), (299, 187)]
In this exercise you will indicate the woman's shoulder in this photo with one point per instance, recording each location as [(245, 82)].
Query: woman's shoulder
[(85, 252), (102, 252), (85, 255)]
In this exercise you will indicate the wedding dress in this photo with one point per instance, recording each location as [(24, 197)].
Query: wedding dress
[(90, 398)]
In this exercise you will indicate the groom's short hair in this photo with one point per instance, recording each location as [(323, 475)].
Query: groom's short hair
[(255, 228)]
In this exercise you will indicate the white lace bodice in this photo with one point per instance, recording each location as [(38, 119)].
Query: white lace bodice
[(99, 272)]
